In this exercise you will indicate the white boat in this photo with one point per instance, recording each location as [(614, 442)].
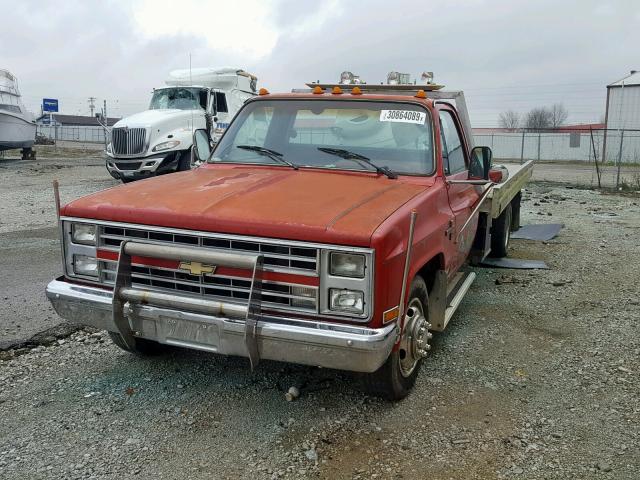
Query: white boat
[(17, 125)]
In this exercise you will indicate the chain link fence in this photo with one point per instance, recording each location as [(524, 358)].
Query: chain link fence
[(84, 134), (603, 158), (595, 157)]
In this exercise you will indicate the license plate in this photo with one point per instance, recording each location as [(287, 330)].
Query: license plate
[(185, 333)]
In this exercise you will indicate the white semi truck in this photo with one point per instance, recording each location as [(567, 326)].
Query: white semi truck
[(159, 140)]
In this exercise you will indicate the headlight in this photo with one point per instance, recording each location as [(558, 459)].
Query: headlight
[(109, 149), (308, 295), (349, 301), (84, 265), (347, 265), (166, 145), (83, 233)]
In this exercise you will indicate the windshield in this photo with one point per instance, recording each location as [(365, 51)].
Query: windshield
[(179, 97), (350, 135)]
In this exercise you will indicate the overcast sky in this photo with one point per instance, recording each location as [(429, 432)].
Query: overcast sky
[(505, 54)]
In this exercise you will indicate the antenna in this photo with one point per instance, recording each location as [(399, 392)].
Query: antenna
[(191, 82)]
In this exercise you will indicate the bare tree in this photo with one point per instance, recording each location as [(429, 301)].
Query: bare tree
[(509, 120), (559, 115), (538, 119)]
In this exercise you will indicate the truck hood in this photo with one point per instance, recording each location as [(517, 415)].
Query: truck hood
[(154, 117), (307, 205)]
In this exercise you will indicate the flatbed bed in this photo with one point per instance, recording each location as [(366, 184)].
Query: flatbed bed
[(503, 193)]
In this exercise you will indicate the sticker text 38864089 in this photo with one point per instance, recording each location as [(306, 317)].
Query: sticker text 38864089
[(404, 116)]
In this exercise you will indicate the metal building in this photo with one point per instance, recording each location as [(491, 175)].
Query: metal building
[(622, 133), (623, 102)]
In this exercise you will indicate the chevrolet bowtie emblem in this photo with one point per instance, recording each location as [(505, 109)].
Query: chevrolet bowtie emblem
[(197, 268)]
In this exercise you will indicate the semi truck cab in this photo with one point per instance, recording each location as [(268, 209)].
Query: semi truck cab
[(159, 140)]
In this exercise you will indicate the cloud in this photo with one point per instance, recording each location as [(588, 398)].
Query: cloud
[(241, 27), (505, 54)]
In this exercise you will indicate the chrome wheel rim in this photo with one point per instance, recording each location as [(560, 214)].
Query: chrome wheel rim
[(414, 343)]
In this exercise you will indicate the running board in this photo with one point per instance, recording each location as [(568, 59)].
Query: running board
[(456, 291)]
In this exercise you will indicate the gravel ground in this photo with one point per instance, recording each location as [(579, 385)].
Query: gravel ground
[(537, 377), (29, 246)]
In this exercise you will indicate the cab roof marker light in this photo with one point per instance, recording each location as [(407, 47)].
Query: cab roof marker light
[(421, 94), (336, 90), (356, 91), (263, 91), (317, 90)]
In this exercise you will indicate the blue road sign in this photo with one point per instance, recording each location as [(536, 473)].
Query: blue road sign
[(49, 104)]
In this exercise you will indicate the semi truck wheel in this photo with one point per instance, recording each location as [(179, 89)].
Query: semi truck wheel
[(143, 347), (395, 379), (501, 233), (185, 162)]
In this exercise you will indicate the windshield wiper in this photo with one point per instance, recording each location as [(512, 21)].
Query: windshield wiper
[(267, 152), (356, 157)]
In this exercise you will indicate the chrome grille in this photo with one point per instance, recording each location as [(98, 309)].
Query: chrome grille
[(128, 141), (278, 257)]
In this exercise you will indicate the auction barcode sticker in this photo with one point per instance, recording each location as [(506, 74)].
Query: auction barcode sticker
[(404, 116)]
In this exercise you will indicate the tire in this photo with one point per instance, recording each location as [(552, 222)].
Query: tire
[(184, 161), (395, 379), (142, 347), (515, 205), (501, 233)]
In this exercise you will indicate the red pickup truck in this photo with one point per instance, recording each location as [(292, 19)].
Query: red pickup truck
[(328, 228)]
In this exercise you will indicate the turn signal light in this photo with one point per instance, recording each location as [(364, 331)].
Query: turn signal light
[(263, 91), (390, 315)]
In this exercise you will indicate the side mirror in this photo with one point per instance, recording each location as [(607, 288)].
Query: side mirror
[(481, 160), (201, 146)]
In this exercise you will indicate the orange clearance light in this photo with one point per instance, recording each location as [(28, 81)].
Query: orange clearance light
[(336, 90), (263, 91), (356, 91), (390, 315), (318, 90), (421, 94)]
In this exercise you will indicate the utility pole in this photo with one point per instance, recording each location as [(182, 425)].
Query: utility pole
[(106, 122), (92, 105)]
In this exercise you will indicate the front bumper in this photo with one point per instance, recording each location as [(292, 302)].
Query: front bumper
[(328, 345), (142, 167)]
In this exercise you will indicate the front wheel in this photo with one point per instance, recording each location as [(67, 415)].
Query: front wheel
[(395, 379), (186, 160)]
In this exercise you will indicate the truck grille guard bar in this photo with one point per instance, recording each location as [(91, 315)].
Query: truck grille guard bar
[(123, 291)]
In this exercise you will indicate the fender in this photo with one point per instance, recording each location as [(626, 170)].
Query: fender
[(389, 241)]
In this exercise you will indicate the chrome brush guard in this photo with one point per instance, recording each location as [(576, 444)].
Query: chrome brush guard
[(123, 291)]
